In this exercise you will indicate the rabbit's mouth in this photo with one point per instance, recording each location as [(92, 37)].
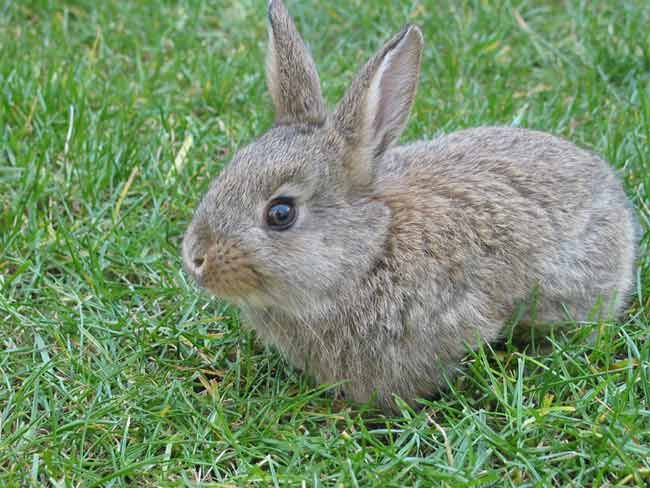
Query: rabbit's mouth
[(235, 286)]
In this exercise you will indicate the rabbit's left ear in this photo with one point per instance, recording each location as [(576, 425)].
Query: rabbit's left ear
[(374, 111), (291, 73)]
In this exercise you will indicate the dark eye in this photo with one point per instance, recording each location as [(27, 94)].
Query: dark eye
[(281, 213)]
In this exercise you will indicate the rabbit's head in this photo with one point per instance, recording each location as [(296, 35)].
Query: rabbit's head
[(294, 215)]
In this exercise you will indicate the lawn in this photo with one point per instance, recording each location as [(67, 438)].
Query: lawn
[(116, 371)]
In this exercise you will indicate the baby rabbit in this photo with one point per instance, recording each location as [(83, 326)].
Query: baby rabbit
[(378, 265)]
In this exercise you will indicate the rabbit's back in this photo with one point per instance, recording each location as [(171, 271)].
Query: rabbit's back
[(547, 170), (561, 219)]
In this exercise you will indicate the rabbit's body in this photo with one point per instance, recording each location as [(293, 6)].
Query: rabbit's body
[(454, 267), (377, 266)]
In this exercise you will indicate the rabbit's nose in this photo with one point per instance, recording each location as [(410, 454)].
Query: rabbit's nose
[(195, 262), (198, 262), (195, 257)]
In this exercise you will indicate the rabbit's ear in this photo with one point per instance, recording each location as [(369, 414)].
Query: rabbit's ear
[(375, 109), (291, 73)]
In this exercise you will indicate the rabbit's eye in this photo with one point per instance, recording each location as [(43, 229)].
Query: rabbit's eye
[(281, 213)]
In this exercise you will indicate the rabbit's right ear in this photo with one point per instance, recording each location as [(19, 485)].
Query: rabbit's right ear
[(291, 73), (375, 109)]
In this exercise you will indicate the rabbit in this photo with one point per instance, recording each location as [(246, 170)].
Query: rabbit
[(377, 266)]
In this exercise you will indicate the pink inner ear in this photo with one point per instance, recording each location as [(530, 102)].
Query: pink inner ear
[(394, 99), (374, 110), (392, 90)]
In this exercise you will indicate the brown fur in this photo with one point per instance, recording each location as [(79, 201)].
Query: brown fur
[(403, 257)]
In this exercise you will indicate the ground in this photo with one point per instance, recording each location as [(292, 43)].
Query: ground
[(115, 371)]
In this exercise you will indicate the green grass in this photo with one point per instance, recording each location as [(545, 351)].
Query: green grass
[(115, 371)]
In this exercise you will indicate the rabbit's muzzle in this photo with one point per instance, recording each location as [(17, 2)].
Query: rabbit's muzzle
[(221, 266)]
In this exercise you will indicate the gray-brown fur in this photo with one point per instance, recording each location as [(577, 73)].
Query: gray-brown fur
[(403, 257)]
